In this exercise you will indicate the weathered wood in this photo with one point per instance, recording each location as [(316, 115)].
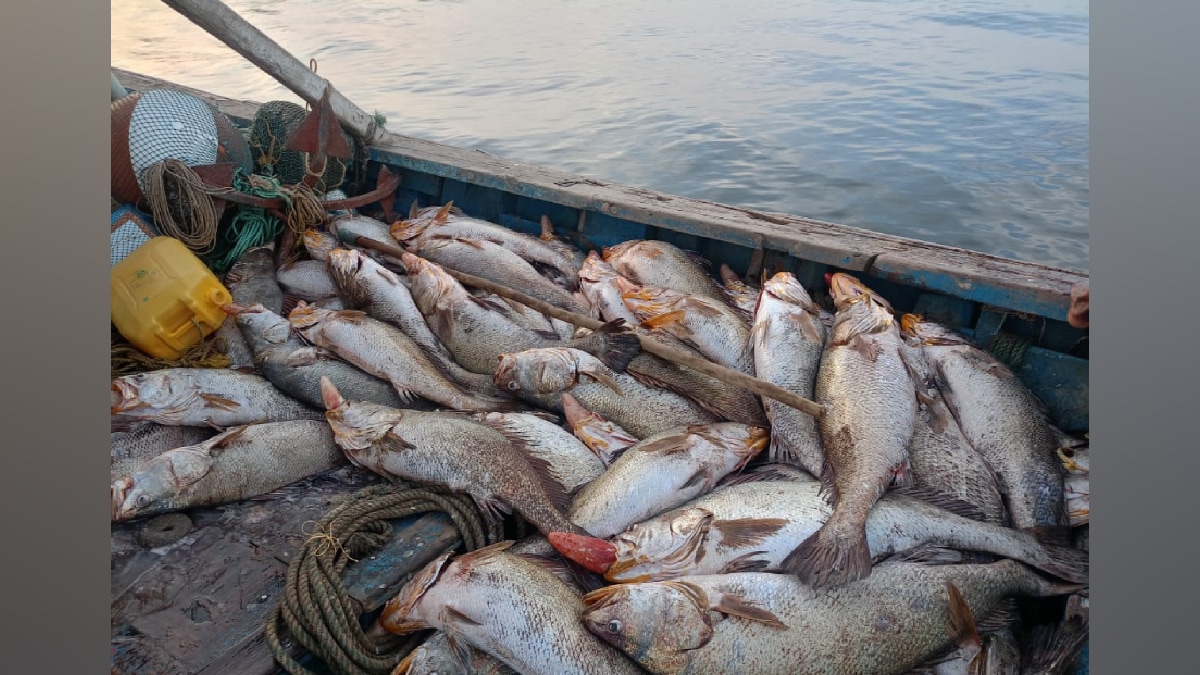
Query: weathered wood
[(200, 605), (226, 25), (727, 375), (1000, 282)]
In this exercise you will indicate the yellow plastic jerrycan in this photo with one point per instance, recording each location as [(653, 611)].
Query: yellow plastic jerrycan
[(165, 300)]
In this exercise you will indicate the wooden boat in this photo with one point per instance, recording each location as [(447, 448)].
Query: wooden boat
[(1004, 304)]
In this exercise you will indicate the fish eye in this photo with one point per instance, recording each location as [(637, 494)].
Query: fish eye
[(143, 501), (614, 626), (513, 385)]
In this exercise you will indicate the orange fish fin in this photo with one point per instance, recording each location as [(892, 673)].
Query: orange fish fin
[(220, 401), (743, 532), (728, 603)]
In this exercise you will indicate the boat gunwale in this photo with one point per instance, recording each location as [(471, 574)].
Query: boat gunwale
[(990, 280)]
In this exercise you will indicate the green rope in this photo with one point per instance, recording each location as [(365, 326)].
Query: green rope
[(316, 610), (251, 226), (1009, 349)]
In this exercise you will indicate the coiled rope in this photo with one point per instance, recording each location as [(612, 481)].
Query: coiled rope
[(316, 610), (182, 198), (127, 359)]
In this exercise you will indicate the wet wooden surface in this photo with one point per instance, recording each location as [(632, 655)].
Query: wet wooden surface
[(200, 604)]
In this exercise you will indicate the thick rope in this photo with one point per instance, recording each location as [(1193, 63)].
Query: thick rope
[(186, 197), (127, 359), (1009, 349), (318, 613)]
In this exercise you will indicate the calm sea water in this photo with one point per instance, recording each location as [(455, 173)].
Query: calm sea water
[(961, 122)]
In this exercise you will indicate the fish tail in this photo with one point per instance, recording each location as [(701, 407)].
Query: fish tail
[(1065, 562), (1052, 647), (833, 555), (613, 343)]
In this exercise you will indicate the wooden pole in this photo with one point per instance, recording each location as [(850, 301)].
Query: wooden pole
[(227, 26), (727, 375)]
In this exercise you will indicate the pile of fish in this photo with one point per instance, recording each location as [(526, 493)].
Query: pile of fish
[(685, 525)]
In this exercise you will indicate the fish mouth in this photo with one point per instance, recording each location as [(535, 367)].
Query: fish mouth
[(759, 438), (345, 260), (394, 617), (234, 309), (305, 315), (506, 373), (847, 290), (124, 396), (118, 493), (330, 395), (593, 554), (413, 264), (911, 324)]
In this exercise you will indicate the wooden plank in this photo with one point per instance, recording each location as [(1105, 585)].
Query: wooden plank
[(1000, 282), (200, 605)]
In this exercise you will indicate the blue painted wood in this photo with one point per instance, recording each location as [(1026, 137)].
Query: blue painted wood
[(520, 224), (602, 230), (945, 309), (953, 284)]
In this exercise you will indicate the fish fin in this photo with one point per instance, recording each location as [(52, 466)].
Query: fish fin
[(460, 651), (1050, 648), (928, 554), (394, 442), (833, 555), (227, 438), (806, 323), (613, 343), (828, 480), (1055, 535), (303, 356), (961, 620), (542, 470), (941, 500), (485, 553), (668, 445), (782, 449), (748, 562), (663, 320), (743, 532), (351, 315), (701, 477), (764, 473), (290, 302), (1002, 616), (457, 616), (733, 605), (867, 348), (1065, 562), (220, 401), (604, 379), (902, 476)]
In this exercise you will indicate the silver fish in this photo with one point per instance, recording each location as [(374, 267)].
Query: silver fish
[(215, 397), (740, 294), (251, 280), (870, 401), (137, 443), (386, 352), (655, 263), (662, 472), (436, 656), (369, 287), (752, 526), (508, 607), (1002, 420), (296, 368), (542, 375), (571, 463), (755, 623), (788, 339), (244, 462), (709, 326), (450, 449), (605, 439), (307, 280)]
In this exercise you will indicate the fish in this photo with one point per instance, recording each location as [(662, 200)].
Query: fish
[(228, 340), (571, 463), (742, 295), (243, 462), (251, 280), (542, 375), (753, 526), (368, 286), (507, 606), (870, 401), (1051, 648), (214, 397), (477, 333), (709, 326), (453, 450), (133, 445), (648, 262), (382, 350), (435, 656), (498, 264), (605, 439), (663, 471), (348, 228), (1077, 493), (307, 280), (448, 221), (787, 340), (318, 243), (756, 623), (296, 368), (1002, 420), (986, 647)]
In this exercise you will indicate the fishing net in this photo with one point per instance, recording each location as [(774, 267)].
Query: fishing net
[(273, 125)]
